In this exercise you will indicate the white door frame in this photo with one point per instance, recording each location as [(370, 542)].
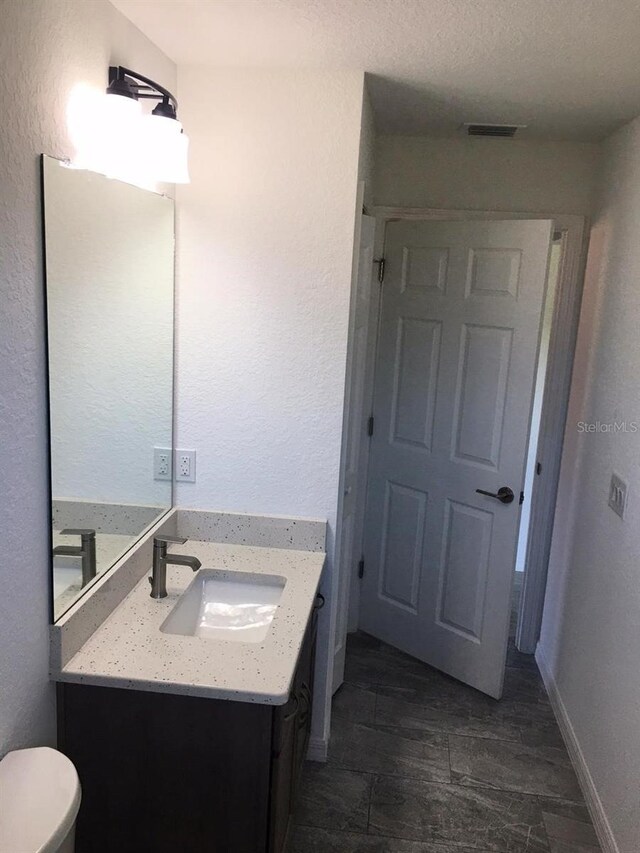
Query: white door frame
[(564, 328), (354, 449)]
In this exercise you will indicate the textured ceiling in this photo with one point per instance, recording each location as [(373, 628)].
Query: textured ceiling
[(569, 70)]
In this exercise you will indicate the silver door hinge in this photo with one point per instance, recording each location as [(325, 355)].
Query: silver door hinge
[(361, 568), (381, 265), (370, 423)]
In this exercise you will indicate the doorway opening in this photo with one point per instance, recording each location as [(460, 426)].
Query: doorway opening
[(558, 314), (553, 277)]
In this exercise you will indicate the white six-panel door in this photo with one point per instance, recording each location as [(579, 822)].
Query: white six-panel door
[(455, 369)]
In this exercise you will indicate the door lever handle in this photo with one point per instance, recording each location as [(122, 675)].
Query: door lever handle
[(504, 494)]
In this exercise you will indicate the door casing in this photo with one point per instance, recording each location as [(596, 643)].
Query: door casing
[(354, 450), (554, 410)]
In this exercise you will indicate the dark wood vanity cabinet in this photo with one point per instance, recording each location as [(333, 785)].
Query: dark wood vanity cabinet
[(162, 773), (290, 740)]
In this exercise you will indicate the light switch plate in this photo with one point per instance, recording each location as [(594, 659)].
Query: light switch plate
[(186, 466), (162, 463), (618, 495)]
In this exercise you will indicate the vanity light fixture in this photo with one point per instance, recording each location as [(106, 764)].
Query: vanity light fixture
[(156, 139)]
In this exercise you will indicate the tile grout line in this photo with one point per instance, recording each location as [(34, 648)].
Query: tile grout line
[(517, 741), (456, 783), (434, 846), (375, 703), (372, 782), (440, 846), (477, 787), (543, 823), (372, 779), (502, 740), (402, 776)]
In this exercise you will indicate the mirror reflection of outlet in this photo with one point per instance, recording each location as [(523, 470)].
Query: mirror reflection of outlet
[(162, 463), (186, 466), (618, 495)]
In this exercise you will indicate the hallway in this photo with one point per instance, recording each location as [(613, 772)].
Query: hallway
[(420, 763)]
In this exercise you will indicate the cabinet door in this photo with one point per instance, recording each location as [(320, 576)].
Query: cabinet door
[(291, 730), (165, 773), (285, 726), (303, 687)]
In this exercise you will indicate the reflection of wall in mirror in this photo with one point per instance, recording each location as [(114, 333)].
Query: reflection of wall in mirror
[(117, 526), (109, 250)]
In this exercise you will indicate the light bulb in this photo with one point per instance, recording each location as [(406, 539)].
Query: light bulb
[(101, 127), (111, 135), (120, 136), (166, 146)]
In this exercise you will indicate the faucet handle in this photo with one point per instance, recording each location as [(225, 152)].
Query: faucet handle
[(84, 532), (168, 540)]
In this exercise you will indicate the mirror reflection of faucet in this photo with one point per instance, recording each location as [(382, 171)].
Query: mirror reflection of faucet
[(86, 551), (161, 560)]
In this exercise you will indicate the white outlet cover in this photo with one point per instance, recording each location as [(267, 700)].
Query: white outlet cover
[(185, 461), (618, 495), (162, 463)]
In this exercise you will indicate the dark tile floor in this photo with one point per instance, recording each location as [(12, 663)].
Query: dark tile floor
[(419, 763)]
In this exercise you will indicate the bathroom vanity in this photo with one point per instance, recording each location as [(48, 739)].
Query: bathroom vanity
[(164, 772), (183, 737), (187, 714)]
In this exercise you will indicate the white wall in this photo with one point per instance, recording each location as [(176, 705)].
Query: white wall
[(368, 139), (486, 174), (591, 630), (265, 241), (46, 48)]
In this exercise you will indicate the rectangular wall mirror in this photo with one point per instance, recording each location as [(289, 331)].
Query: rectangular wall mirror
[(109, 260)]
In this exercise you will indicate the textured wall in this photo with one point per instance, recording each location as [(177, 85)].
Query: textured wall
[(486, 174), (265, 241), (590, 634), (46, 48)]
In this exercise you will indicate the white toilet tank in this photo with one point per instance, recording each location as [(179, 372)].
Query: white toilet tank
[(39, 802)]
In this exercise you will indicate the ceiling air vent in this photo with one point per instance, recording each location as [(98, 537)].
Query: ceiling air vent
[(503, 131)]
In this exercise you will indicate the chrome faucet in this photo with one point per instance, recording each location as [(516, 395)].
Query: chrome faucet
[(86, 550), (161, 560)]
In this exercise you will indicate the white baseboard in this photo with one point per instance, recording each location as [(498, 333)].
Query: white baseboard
[(318, 749), (591, 796)]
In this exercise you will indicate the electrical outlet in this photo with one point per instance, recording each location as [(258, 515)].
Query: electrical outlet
[(618, 495), (161, 463), (186, 466)]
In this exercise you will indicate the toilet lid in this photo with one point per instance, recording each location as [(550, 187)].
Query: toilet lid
[(39, 800)]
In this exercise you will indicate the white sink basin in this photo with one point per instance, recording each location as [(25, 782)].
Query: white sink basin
[(219, 607)]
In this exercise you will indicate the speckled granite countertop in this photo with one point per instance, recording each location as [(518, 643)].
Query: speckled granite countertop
[(128, 649)]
